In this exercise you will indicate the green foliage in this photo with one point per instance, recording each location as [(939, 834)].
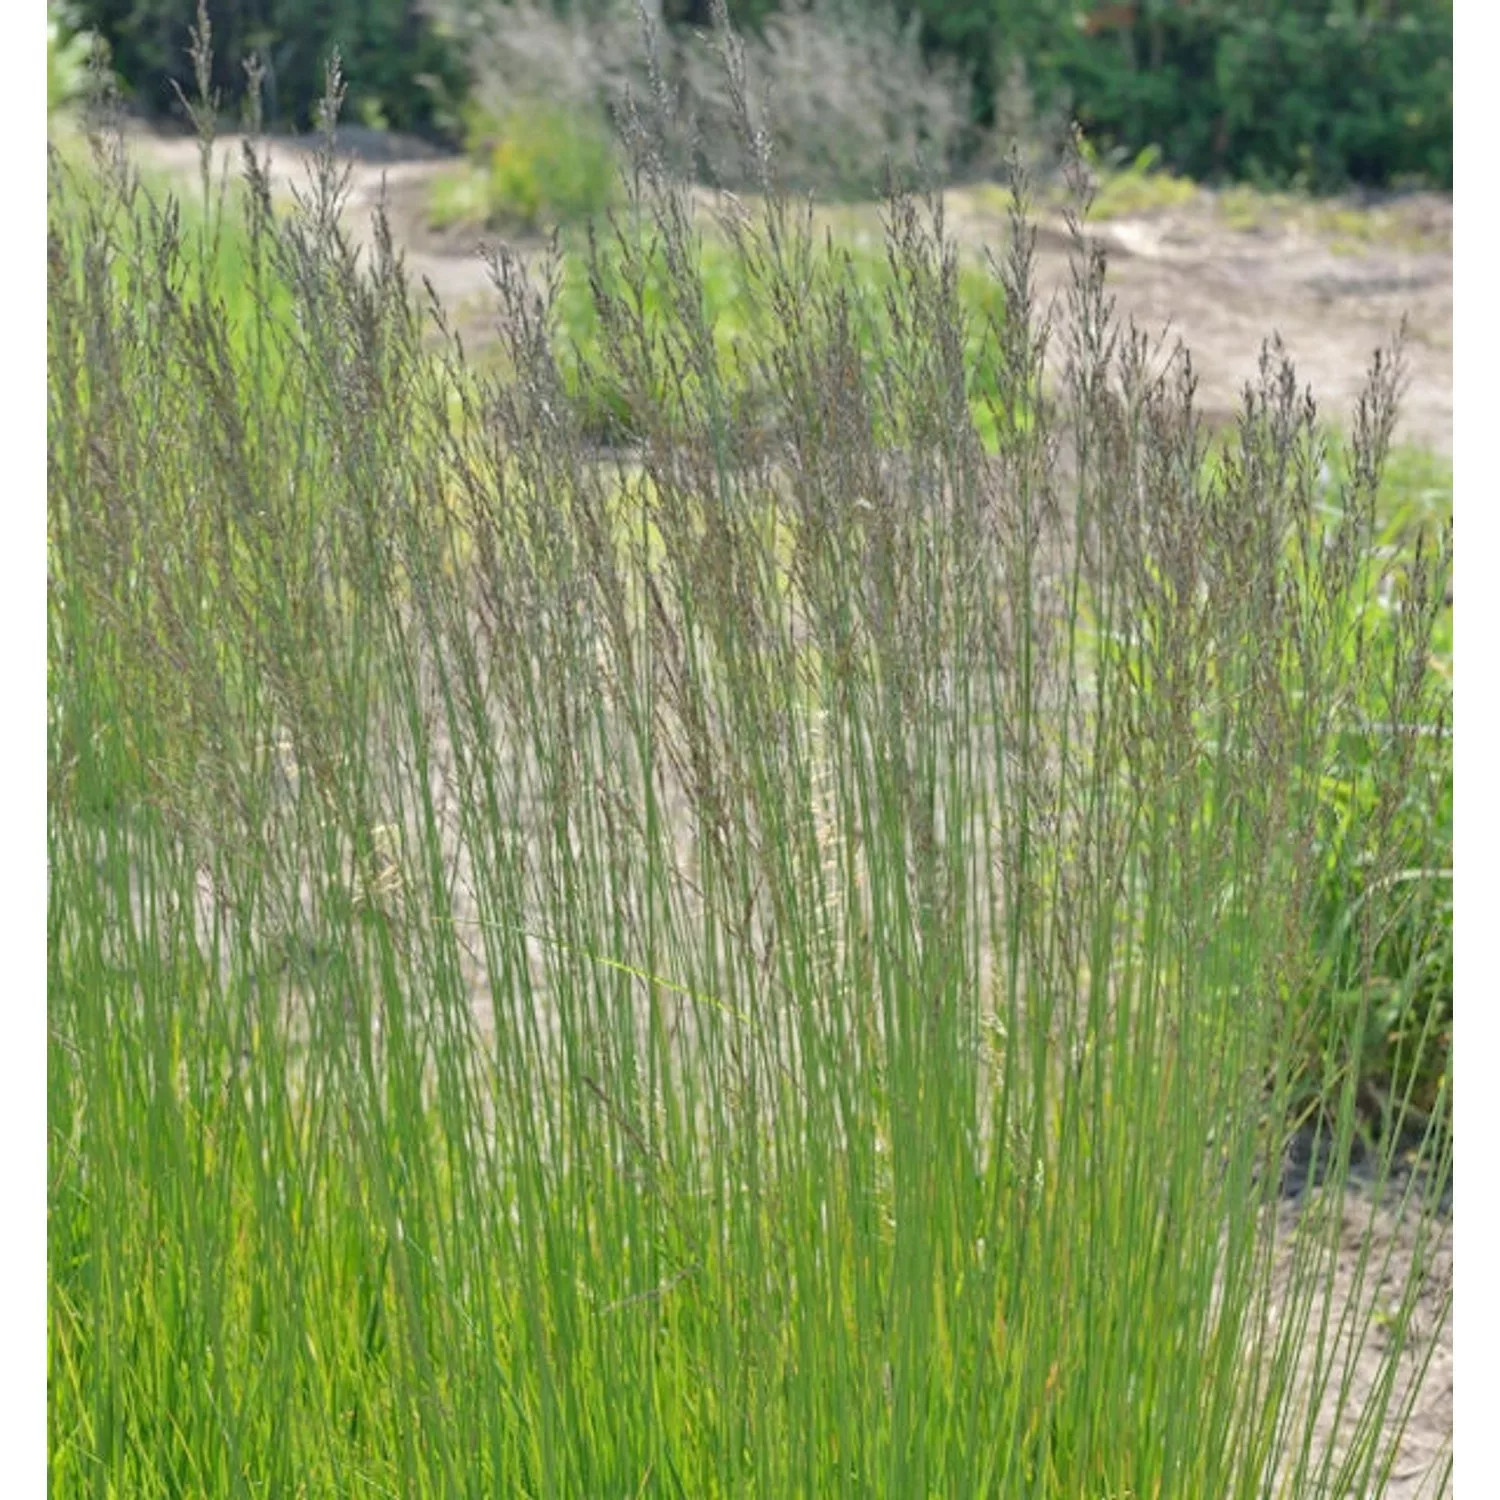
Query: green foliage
[(69, 56), (404, 73), (1379, 1001), (545, 165), (1396, 744), (1138, 187), (537, 166), (460, 196), (68, 49), (1311, 92), (1315, 92)]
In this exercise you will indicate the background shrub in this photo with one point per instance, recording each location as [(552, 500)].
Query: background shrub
[(68, 49), (1318, 91), (537, 118), (404, 73), (1389, 754), (840, 88), (546, 164)]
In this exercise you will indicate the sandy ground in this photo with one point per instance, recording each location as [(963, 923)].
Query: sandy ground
[(1370, 1287), (1332, 293)]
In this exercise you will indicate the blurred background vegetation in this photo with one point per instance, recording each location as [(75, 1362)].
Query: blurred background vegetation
[(1319, 94)]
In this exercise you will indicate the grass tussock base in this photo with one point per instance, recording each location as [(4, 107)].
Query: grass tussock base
[(779, 962)]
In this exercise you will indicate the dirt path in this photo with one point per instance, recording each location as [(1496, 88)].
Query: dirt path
[(1221, 273)]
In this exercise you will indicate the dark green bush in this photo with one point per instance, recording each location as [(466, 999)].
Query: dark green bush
[(404, 72), (1321, 92), (747, 15)]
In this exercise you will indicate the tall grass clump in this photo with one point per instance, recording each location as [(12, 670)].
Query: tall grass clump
[(733, 967)]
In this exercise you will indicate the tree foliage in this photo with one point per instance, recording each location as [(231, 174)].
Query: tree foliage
[(1316, 92)]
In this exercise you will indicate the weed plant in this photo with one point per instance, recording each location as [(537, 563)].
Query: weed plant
[(542, 165), (743, 966)]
